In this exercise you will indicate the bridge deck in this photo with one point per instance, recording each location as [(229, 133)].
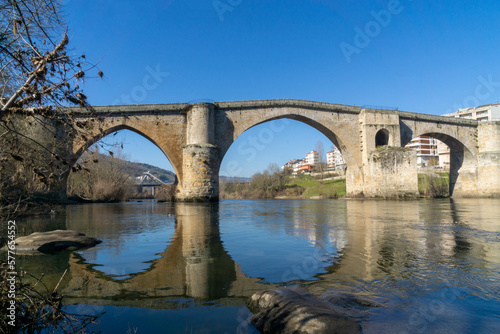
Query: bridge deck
[(261, 104)]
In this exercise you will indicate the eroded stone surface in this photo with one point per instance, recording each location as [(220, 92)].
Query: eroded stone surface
[(295, 310), (53, 241)]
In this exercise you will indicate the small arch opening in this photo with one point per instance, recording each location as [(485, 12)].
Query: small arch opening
[(382, 138)]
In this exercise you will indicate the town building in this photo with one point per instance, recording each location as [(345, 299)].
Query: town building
[(312, 158), (444, 155), (303, 168), (296, 166), (335, 160), (330, 159), (339, 160), (487, 112), (427, 150), (291, 164)]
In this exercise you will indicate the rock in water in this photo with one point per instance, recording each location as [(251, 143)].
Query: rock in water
[(53, 241), (295, 310)]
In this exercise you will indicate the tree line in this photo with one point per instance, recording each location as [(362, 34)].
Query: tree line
[(270, 183)]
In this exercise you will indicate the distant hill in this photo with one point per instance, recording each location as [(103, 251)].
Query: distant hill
[(136, 169), (223, 178)]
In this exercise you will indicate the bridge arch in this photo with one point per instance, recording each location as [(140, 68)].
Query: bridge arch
[(81, 147), (78, 151), (347, 146), (462, 160)]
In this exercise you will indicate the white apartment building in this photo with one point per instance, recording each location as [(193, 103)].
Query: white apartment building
[(427, 150), (339, 160), (335, 160), (444, 155), (291, 164), (487, 112), (330, 159), (312, 158)]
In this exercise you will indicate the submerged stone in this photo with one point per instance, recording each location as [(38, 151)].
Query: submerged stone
[(295, 310)]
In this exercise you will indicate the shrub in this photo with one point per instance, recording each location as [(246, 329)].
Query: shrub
[(433, 185), (37, 310)]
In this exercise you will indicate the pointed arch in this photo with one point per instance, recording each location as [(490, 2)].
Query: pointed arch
[(80, 150)]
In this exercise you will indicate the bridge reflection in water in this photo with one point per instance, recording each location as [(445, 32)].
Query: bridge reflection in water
[(193, 265), (406, 254)]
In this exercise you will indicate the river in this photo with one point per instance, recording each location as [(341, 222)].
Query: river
[(430, 266)]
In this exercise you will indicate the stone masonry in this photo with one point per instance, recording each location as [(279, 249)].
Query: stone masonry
[(196, 137)]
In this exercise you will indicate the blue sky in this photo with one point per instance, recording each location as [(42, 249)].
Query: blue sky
[(420, 56)]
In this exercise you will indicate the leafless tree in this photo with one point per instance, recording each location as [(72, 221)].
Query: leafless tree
[(37, 74), (39, 78), (320, 167)]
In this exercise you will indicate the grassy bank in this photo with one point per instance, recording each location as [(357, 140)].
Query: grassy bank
[(434, 185), (303, 186), (313, 187)]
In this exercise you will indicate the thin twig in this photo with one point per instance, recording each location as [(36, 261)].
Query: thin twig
[(60, 281)]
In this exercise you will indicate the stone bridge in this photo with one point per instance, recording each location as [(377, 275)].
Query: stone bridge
[(196, 137)]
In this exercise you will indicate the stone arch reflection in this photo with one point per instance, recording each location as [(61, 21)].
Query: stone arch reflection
[(194, 265), (375, 239)]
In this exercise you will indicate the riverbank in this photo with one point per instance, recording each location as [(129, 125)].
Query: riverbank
[(430, 184), (299, 187)]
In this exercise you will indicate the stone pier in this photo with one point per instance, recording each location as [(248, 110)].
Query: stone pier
[(389, 171), (200, 158), (489, 159)]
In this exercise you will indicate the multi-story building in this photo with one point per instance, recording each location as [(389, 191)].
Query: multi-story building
[(298, 163), (330, 159), (335, 160), (339, 159), (427, 150), (444, 154), (303, 168), (312, 158), (290, 164), (487, 112)]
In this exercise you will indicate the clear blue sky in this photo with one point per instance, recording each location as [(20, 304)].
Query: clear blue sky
[(420, 56)]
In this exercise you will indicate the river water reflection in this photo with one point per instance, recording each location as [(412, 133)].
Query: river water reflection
[(431, 265)]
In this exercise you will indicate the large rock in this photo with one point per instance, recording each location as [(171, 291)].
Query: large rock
[(295, 310), (53, 241)]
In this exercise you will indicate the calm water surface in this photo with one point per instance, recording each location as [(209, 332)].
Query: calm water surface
[(431, 266)]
